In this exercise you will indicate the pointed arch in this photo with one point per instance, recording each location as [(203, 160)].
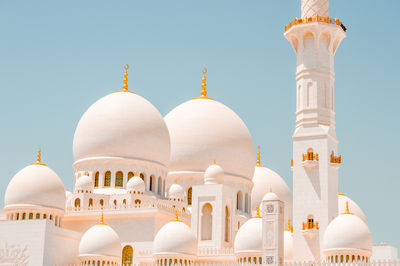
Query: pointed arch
[(119, 179), (227, 224), (159, 186), (96, 179), (107, 179), (239, 200), (130, 175), (127, 255), (206, 222), (189, 196)]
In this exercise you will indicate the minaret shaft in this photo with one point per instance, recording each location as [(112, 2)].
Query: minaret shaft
[(315, 39)]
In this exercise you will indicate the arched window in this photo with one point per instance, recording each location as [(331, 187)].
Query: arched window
[(189, 196), (107, 179), (30, 216), (119, 179), (96, 179), (130, 175), (115, 203), (159, 186), (137, 201), (227, 223), (44, 216), (246, 203), (142, 176), (239, 201), (206, 222), (151, 183), (101, 203), (23, 216), (127, 255), (124, 202), (90, 202), (37, 215), (77, 203)]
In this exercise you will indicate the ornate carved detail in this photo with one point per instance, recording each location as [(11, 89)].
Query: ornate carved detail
[(270, 208), (269, 259), (14, 255)]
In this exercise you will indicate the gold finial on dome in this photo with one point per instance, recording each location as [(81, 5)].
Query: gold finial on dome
[(270, 189), (203, 94), (258, 157), (125, 86), (341, 194), (39, 158), (176, 219), (258, 212), (215, 161), (347, 211), (101, 218), (86, 173)]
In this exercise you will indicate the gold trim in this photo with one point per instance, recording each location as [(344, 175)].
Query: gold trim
[(203, 94), (258, 212), (125, 86), (38, 159), (347, 211), (306, 20), (176, 219), (102, 219)]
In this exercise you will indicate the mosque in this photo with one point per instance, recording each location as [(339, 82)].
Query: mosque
[(190, 189)]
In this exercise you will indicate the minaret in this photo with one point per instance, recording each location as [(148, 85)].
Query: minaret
[(315, 38)]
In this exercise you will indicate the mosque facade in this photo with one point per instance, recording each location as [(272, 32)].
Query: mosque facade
[(190, 189)]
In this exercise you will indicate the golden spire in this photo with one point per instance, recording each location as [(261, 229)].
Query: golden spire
[(258, 157), (203, 94), (38, 159), (347, 211), (258, 212), (176, 219), (125, 86), (101, 218), (86, 173), (289, 226), (67, 188), (270, 189), (215, 161), (204, 85)]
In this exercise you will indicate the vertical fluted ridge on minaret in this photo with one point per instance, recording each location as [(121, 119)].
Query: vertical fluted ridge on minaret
[(310, 8)]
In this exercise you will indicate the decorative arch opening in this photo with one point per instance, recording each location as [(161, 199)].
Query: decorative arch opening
[(206, 222), (107, 179), (90, 202), (246, 203), (151, 185), (77, 203), (159, 186), (239, 201), (130, 175), (227, 224), (119, 179), (127, 255), (96, 179), (189, 196)]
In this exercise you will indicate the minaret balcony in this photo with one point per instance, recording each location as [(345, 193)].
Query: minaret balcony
[(320, 19), (335, 161), (310, 228), (310, 160)]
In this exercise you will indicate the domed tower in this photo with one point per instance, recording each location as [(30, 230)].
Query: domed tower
[(315, 38), (118, 135), (202, 130), (35, 193)]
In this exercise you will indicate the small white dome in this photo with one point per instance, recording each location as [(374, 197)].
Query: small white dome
[(36, 185), (270, 196), (100, 240), (288, 245), (176, 192), (204, 129), (249, 237), (264, 179), (175, 238), (124, 125), (84, 183), (136, 184), (213, 174), (342, 199), (347, 233)]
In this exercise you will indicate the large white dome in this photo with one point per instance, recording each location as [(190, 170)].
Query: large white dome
[(204, 130), (347, 233), (342, 199), (264, 179), (249, 237), (175, 238), (36, 185), (100, 240), (122, 124)]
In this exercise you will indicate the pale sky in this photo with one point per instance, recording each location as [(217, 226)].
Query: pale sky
[(59, 57)]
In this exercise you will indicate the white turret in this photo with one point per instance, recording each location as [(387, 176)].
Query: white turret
[(315, 38)]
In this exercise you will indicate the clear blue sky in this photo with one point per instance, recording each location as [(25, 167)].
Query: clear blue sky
[(58, 57)]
